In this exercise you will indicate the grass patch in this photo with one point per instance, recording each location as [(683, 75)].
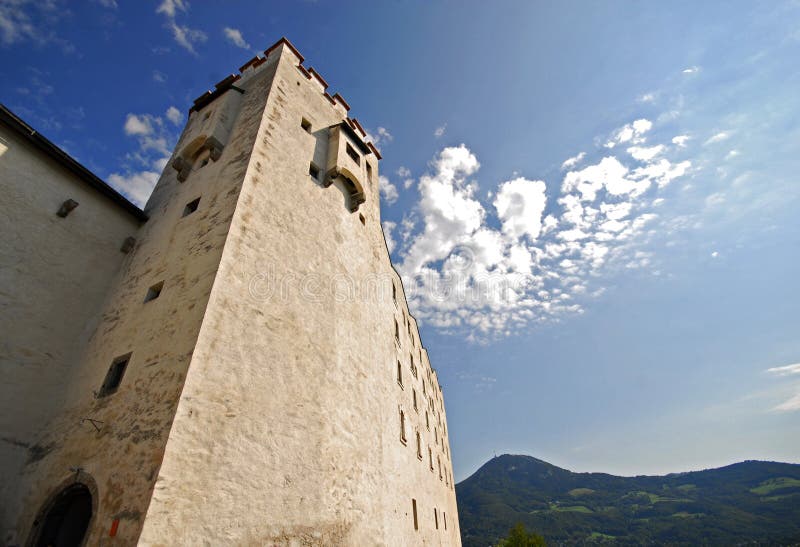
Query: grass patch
[(685, 515), (652, 498), (686, 487), (778, 497), (597, 536), (775, 484), (577, 492), (570, 508)]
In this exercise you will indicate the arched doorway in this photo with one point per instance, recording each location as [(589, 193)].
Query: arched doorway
[(66, 518)]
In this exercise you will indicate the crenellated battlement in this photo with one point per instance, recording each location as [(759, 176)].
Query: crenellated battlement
[(309, 73)]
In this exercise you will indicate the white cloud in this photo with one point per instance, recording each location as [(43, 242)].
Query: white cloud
[(572, 235), (234, 36), (610, 174), (642, 126), (185, 37), (790, 405), (171, 7), (732, 154), (647, 98), (569, 163), (630, 133), (405, 173), (159, 76), (681, 140), (520, 204), (439, 131), (136, 186), (388, 229), (645, 153), (112, 4), (786, 370), (715, 254), (380, 137), (793, 403), (490, 270), (32, 21), (715, 199), (174, 115), (616, 211), (388, 190), (448, 206), (691, 70), (144, 166), (138, 125), (718, 137), (662, 172)]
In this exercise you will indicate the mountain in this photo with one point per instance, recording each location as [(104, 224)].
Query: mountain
[(752, 502)]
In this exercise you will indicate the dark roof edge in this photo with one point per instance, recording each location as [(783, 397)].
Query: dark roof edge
[(68, 162)]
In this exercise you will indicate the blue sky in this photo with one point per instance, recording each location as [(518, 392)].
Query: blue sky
[(593, 204)]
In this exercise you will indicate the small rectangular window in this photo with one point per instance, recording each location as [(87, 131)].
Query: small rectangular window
[(396, 331), (352, 153), (419, 446), (430, 458), (394, 293), (402, 427), (400, 374), (154, 291), (415, 399), (114, 375), (306, 125), (191, 207), (444, 518), (362, 219), (313, 170), (436, 517), (369, 172), (414, 511)]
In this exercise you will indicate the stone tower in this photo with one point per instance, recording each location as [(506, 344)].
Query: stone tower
[(247, 370)]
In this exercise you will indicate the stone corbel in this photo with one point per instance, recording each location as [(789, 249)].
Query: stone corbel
[(214, 146), (183, 168), (356, 200)]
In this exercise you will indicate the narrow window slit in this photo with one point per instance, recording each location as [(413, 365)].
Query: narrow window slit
[(191, 207), (154, 291), (114, 375)]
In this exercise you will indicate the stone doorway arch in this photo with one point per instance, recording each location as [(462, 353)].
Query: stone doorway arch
[(65, 518)]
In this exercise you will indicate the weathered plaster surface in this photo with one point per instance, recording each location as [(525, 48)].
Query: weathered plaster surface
[(289, 417), (54, 275)]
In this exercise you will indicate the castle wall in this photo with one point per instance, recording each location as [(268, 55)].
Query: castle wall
[(261, 401), (120, 451), (288, 427), (54, 273)]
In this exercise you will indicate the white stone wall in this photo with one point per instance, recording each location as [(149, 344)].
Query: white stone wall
[(54, 275), (124, 455), (289, 418)]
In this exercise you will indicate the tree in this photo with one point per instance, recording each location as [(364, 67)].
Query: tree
[(519, 537)]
